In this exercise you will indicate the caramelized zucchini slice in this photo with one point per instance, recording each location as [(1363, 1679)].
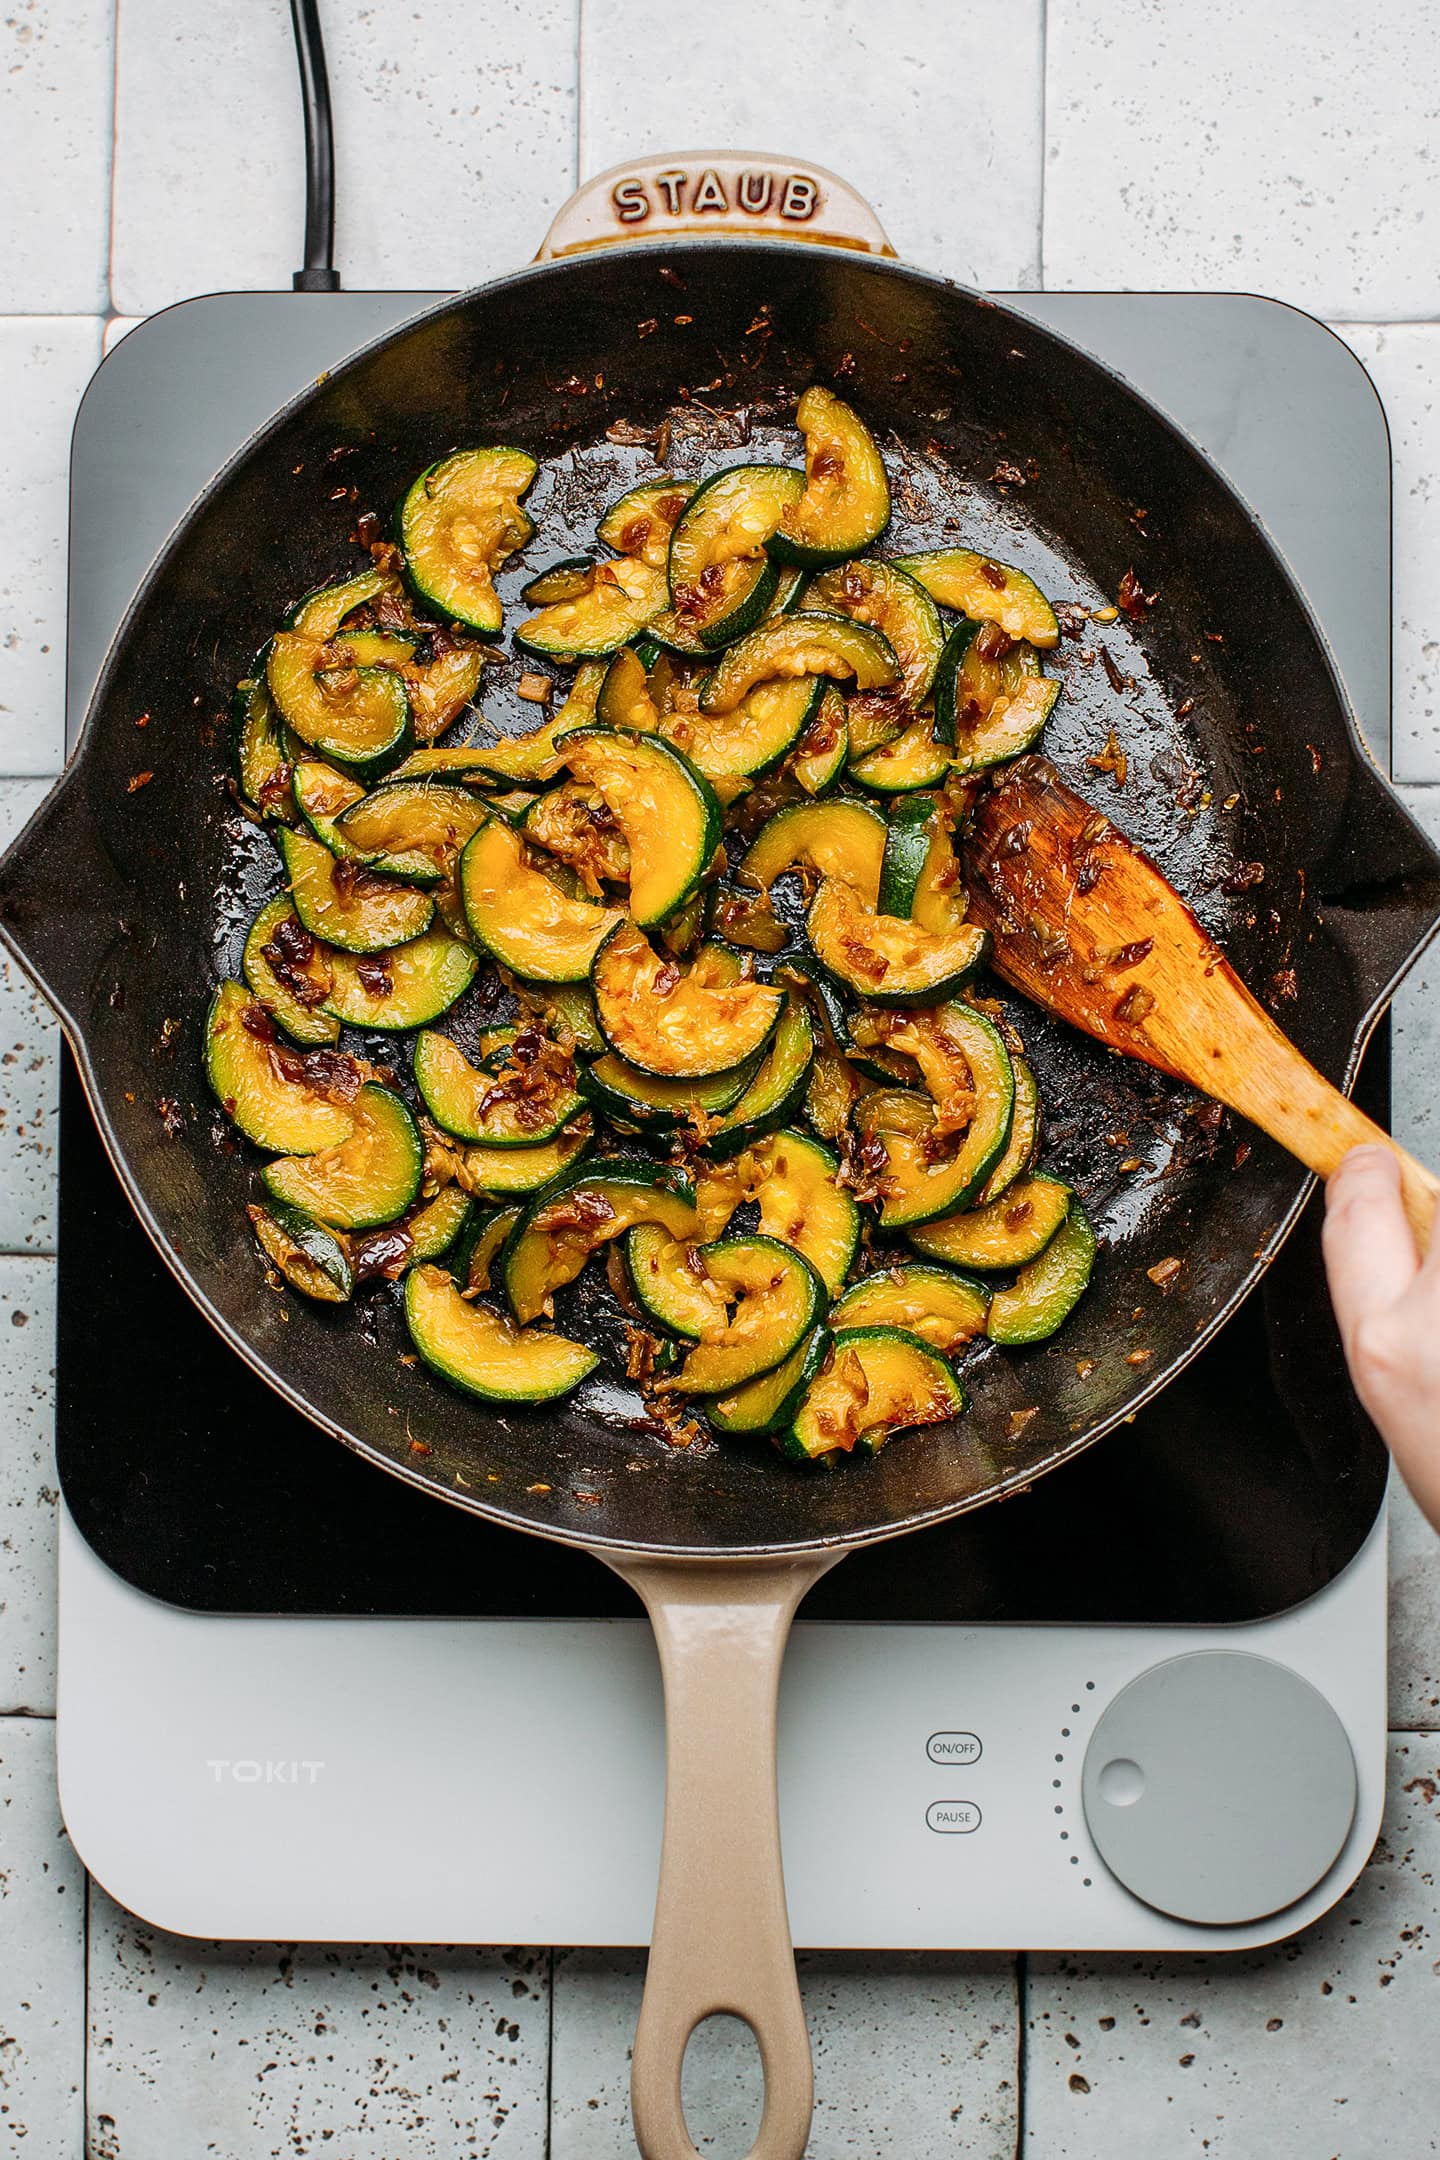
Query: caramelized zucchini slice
[(911, 760), (680, 1024), (894, 603), (274, 1096), (943, 1308), (846, 503), (741, 744), (521, 917), (406, 988), (323, 795), (839, 839), (821, 752), (527, 1099), (1005, 1234), (983, 675), (320, 615), (666, 810), (467, 764), (794, 1181), (1048, 1288), (420, 823), (459, 522), (575, 824), (920, 876), (638, 1098), (886, 957), (721, 580), (440, 689), (803, 644), (986, 591), (564, 580), (771, 1403), (478, 1248), (939, 1164), (879, 1381), (370, 1177), (672, 1283), (771, 1298), (569, 1015), (593, 1203), (618, 599), (290, 973), (498, 1173), (354, 716), (625, 699), (483, 1353), (1024, 1138), (642, 521), (1010, 727), (347, 904), (434, 1225), (257, 749), (535, 757), (776, 1092), (311, 1257)]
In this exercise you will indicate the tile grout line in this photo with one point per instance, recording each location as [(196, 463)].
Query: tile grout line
[(1022, 2047), (579, 87), (549, 2053), (114, 143), (1044, 140)]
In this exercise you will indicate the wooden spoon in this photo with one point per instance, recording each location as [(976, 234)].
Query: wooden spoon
[(1084, 924)]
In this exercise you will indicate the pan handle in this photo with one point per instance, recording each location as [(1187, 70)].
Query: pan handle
[(702, 193), (721, 1939), (64, 901)]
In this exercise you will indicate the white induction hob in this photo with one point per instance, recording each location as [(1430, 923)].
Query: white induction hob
[(398, 1778)]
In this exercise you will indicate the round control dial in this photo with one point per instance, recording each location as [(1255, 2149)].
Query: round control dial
[(1219, 1787)]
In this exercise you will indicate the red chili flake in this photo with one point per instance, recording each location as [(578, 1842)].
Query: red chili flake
[(1242, 1154), (672, 277), (1112, 673), (588, 1499), (137, 781), (1132, 598), (143, 720), (420, 1447), (1216, 637), (1317, 757)]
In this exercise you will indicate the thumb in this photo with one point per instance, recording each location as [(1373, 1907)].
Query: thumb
[(1370, 1254)]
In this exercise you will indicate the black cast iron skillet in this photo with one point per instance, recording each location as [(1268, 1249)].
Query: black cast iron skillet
[(1242, 754)]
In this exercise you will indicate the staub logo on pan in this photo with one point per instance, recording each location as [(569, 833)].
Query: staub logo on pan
[(679, 192), (263, 1770)]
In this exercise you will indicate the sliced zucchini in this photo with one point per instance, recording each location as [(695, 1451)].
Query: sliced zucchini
[(271, 1093), (638, 1098), (459, 522), (666, 810), (257, 747), (564, 580), (311, 1257), (420, 824), (290, 973), (803, 644), (374, 648), (478, 1248), (920, 876), (822, 750), (575, 824), (619, 599), (772, 1298), (1010, 727), (931, 1166), (521, 916), (680, 1024), (406, 988), (911, 760), (347, 904), (642, 521), (771, 1403), (832, 1091), (370, 1177), (794, 1182), (434, 1225), (943, 1308), (440, 689), (985, 590), (748, 741), (528, 1099), (319, 617), (569, 1013), (894, 603), (482, 1352), (1048, 1288), (991, 699), (323, 795), (1024, 1135), (466, 763), (506, 1173), (625, 699), (839, 839), (593, 1203), (957, 1051), (775, 1094), (1006, 1234), (846, 503), (879, 1381), (886, 957), (354, 716), (721, 580), (672, 1282), (789, 592)]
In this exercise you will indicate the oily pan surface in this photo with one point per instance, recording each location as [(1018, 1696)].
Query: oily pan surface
[(1243, 783)]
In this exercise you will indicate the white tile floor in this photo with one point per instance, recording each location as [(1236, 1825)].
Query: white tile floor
[(1292, 149)]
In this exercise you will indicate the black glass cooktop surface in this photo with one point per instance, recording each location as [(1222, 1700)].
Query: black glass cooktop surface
[(1245, 1487)]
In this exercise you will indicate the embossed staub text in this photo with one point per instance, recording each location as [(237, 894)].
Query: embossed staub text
[(679, 192)]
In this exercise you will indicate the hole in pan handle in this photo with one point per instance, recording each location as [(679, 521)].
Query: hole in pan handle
[(721, 1938), (702, 193)]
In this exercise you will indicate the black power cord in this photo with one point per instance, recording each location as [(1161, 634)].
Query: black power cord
[(319, 273)]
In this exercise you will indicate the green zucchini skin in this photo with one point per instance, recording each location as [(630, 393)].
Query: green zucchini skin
[(349, 1198), (435, 1226), (752, 593), (484, 1355), (946, 673), (907, 848), (776, 1091), (1048, 1288), (428, 975), (310, 1256), (374, 920), (606, 1176), (672, 1305), (666, 866), (741, 1360), (252, 1092), (771, 1403), (452, 1088), (863, 513), (954, 1306), (306, 1024), (913, 1365), (622, 1091), (502, 473), (561, 580), (993, 1238), (258, 751), (476, 1250), (886, 598)]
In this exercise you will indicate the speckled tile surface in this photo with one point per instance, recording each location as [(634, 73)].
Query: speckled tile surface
[(42, 1954), (893, 118), (28, 1490), (1320, 2049), (55, 84), (1292, 149), (371, 2053), (938, 2037)]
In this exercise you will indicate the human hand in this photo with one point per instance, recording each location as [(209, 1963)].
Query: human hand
[(1388, 1305)]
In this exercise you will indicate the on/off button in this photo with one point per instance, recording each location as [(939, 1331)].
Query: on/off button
[(955, 1818), (953, 1747)]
